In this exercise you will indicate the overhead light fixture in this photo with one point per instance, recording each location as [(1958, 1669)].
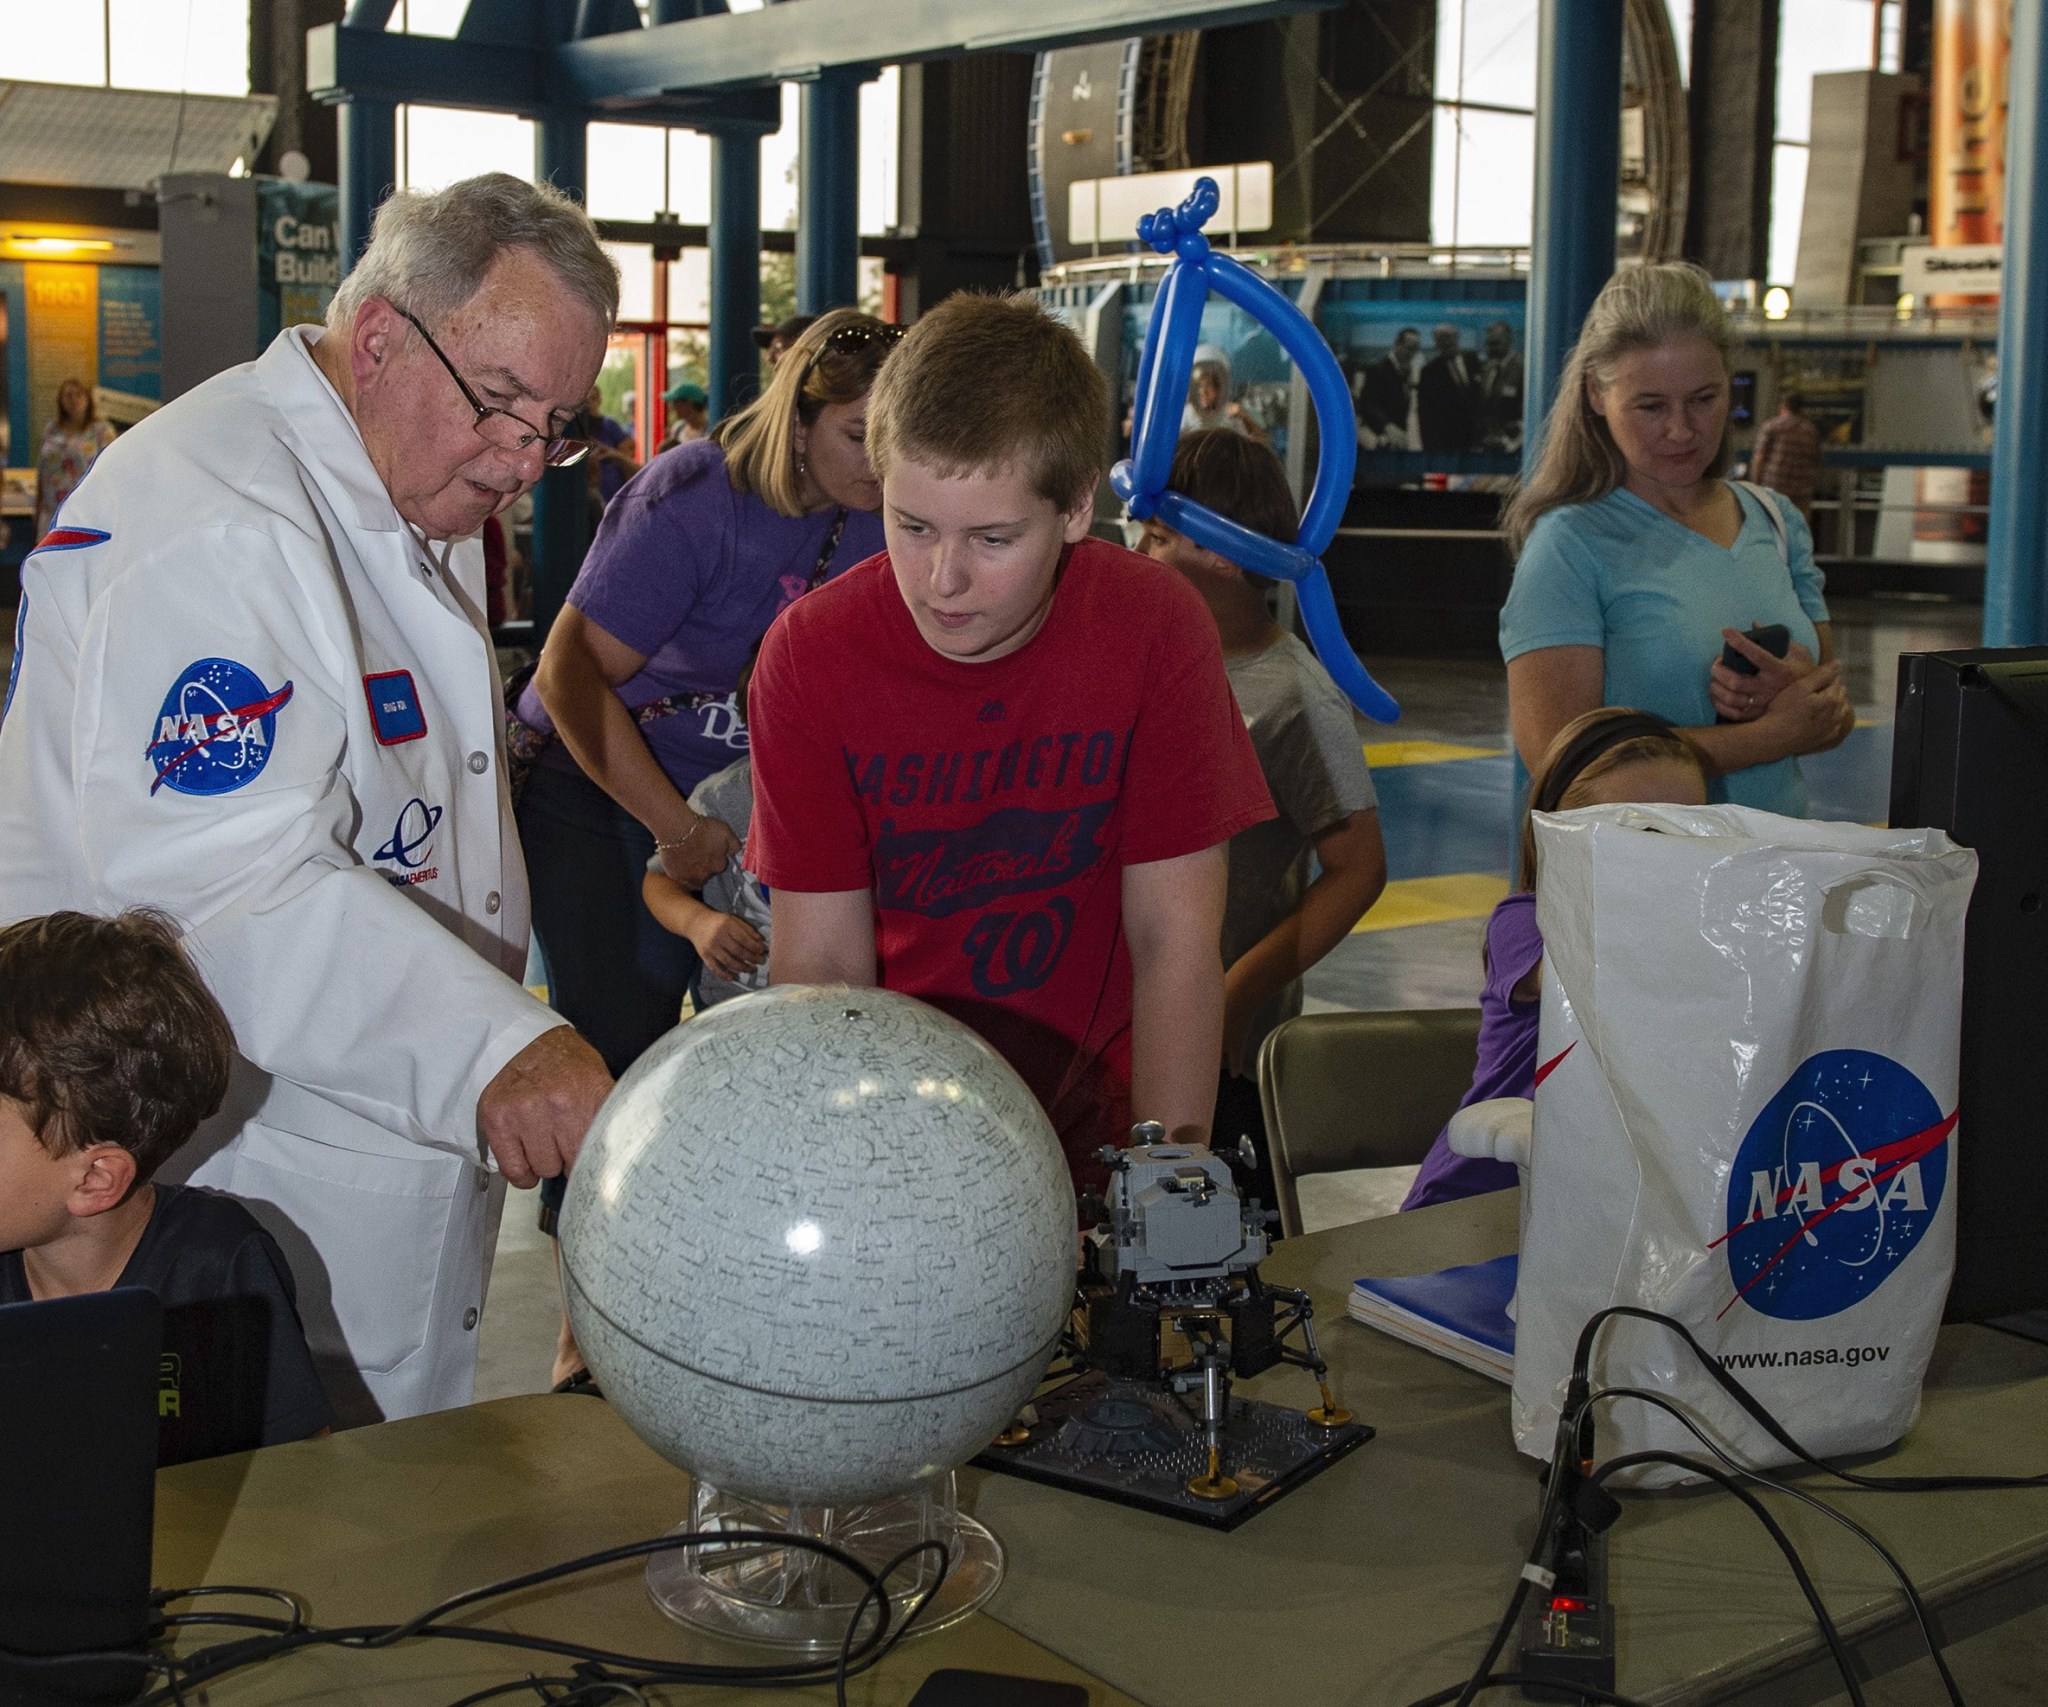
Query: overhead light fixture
[(41, 245), (1777, 303)]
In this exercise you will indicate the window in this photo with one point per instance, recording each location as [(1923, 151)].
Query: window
[(201, 46), (1813, 36), (1484, 168)]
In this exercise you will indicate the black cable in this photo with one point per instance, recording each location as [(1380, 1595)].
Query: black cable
[(164, 1596), (1920, 1614), (1546, 1518), (1699, 1466), (1762, 1417), (602, 1674)]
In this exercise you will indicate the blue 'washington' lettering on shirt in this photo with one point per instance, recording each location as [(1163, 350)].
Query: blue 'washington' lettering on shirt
[(941, 779), (1011, 851)]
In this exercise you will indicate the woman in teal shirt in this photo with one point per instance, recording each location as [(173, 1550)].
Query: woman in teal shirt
[(1636, 561)]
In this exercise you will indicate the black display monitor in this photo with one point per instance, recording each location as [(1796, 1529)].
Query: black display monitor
[(1970, 756), (78, 1416)]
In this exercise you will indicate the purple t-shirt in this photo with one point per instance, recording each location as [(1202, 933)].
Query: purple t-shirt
[(610, 476), (1507, 1055), (690, 573)]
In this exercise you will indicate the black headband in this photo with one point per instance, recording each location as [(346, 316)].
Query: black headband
[(1590, 743)]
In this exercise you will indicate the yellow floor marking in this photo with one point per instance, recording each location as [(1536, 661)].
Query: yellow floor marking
[(1434, 901), (1384, 753)]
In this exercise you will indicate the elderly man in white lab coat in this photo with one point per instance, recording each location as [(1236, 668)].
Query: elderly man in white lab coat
[(253, 687)]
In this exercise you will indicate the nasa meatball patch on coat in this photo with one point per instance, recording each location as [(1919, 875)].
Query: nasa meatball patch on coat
[(216, 730)]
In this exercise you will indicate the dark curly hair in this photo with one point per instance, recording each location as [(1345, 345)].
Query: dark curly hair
[(108, 1035)]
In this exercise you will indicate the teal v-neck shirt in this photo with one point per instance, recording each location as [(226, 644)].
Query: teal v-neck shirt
[(1654, 596)]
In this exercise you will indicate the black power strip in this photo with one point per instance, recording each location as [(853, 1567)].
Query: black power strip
[(1568, 1630)]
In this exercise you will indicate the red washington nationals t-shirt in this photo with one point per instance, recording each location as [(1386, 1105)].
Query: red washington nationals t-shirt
[(993, 806)]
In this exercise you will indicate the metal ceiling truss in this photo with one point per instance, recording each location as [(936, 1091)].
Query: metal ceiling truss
[(533, 57)]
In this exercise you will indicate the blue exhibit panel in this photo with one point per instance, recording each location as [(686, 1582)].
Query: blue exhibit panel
[(17, 448), (131, 331)]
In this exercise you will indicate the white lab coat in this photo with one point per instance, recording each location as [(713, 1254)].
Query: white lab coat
[(350, 882)]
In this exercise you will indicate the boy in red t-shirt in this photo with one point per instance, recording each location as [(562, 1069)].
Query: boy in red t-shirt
[(997, 766)]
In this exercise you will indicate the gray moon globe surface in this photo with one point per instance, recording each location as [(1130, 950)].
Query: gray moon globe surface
[(819, 1244)]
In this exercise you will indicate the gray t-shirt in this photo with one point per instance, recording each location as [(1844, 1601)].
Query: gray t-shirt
[(728, 796), (1308, 746)]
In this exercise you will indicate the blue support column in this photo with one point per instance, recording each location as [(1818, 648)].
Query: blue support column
[(735, 359), (1578, 171), (369, 169), (561, 502), (828, 178), (2016, 561)]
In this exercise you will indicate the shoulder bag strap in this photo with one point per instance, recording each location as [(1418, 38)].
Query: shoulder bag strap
[(1772, 514)]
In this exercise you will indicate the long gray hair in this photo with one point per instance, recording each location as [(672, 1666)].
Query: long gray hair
[(429, 253), (1638, 309)]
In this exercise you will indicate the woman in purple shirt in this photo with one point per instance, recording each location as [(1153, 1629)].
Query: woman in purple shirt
[(632, 703), (1601, 759)]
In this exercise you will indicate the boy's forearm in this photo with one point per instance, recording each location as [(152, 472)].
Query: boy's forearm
[(674, 908), (1173, 923), (1353, 857), (1323, 918), (1176, 1040)]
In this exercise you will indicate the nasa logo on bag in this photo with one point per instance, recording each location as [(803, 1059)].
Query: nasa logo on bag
[(1836, 1183), (216, 729)]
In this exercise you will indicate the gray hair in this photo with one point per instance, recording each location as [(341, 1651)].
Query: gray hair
[(429, 253)]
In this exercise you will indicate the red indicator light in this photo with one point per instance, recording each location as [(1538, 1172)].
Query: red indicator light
[(1569, 1603)]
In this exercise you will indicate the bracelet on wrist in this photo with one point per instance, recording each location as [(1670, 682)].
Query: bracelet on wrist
[(670, 847)]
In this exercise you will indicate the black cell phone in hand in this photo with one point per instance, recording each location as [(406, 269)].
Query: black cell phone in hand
[(1776, 640)]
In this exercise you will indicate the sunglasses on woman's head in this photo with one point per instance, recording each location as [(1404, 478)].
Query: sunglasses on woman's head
[(850, 340)]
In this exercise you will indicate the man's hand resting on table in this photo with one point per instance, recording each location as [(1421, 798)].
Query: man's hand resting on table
[(534, 1114)]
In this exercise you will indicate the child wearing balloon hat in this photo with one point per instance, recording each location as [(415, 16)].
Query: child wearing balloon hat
[(997, 767), (1279, 920)]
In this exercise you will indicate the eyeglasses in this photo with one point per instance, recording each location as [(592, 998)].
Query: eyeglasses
[(501, 427), (850, 340)]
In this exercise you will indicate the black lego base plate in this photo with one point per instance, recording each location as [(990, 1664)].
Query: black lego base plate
[(1127, 1441)]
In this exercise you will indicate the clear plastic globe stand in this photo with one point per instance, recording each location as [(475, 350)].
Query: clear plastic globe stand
[(790, 1597)]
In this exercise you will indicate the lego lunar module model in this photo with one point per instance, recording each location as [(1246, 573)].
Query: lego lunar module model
[(1170, 1310)]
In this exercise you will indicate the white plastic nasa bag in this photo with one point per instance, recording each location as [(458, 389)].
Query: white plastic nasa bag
[(1745, 1119)]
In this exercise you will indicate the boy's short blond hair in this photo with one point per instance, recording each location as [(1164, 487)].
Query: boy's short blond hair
[(993, 382)]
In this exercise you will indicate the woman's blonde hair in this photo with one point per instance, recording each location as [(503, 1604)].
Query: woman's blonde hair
[(1638, 309), (811, 376), (1577, 758)]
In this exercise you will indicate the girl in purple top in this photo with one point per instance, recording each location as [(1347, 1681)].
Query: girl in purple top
[(632, 706), (1601, 759)]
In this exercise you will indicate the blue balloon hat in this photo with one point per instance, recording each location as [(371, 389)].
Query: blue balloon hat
[(1164, 370)]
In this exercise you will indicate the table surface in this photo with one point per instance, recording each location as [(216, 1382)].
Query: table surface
[(377, 1524), (1380, 1581), (1374, 1584)]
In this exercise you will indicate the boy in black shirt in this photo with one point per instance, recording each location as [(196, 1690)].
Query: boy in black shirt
[(112, 1052)]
